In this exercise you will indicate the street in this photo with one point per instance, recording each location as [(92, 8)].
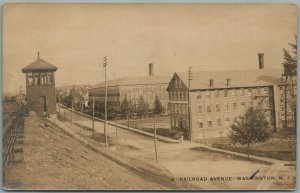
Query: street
[(184, 160)]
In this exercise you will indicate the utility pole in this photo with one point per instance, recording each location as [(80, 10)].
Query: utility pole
[(105, 124), (93, 114), (190, 77)]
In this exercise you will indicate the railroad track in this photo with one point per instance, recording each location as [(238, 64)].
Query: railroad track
[(13, 137)]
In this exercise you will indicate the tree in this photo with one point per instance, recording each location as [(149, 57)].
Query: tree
[(158, 108), (125, 106), (67, 101), (290, 60), (143, 106), (252, 127), (290, 73)]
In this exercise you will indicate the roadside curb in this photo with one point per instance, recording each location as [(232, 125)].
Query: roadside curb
[(267, 161)]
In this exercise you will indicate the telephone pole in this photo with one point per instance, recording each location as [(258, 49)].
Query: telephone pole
[(190, 77), (105, 124)]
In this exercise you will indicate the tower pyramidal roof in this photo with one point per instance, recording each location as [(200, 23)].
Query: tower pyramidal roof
[(39, 64)]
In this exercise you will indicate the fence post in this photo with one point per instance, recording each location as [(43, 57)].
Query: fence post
[(155, 140)]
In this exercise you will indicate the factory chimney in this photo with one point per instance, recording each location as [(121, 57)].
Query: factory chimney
[(261, 60), (151, 69)]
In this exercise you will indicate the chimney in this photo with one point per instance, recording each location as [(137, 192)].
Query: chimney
[(211, 82), (228, 80), (151, 69), (261, 60)]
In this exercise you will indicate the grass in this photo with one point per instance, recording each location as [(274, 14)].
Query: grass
[(282, 146), (162, 125)]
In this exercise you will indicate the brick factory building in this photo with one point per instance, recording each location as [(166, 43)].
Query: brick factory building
[(40, 87), (132, 88), (219, 97)]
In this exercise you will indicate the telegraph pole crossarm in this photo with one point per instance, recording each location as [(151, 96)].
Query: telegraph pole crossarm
[(190, 77)]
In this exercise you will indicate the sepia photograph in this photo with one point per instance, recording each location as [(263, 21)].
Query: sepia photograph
[(159, 97)]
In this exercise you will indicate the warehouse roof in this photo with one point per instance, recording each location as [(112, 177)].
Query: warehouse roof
[(39, 64), (238, 78), (136, 80)]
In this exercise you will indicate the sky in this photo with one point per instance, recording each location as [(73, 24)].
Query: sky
[(76, 37)]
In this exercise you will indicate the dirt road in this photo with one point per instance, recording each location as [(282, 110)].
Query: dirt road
[(182, 160), (55, 160)]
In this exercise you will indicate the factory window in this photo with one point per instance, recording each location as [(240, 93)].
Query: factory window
[(199, 109), (266, 90), (225, 93), (181, 108), (208, 108), (199, 95), (178, 96), (217, 107), (258, 92), (226, 107), (233, 93), (219, 122), (175, 108), (243, 106), (250, 92), (174, 96), (200, 124), (216, 93), (209, 123), (208, 94), (183, 96), (227, 122), (171, 108), (234, 106), (242, 92)]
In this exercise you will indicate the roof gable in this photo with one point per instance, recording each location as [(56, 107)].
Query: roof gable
[(176, 83)]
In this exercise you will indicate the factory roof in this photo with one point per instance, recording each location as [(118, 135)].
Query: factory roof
[(238, 78), (136, 80)]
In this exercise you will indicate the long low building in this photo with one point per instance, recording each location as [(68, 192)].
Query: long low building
[(132, 88), (219, 97)]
